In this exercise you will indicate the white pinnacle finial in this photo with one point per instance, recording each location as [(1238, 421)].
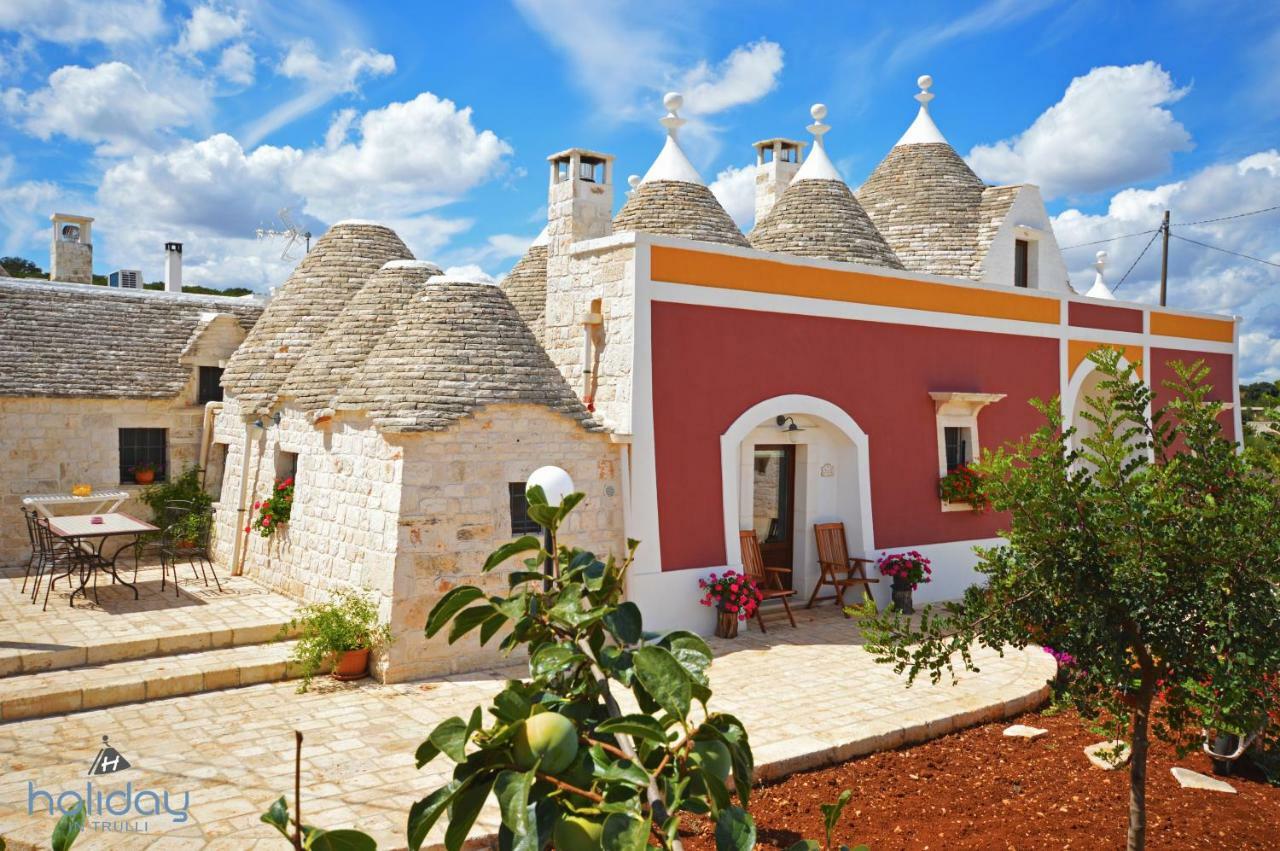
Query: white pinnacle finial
[(672, 121), (925, 82), (1100, 288), (817, 128), (633, 181)]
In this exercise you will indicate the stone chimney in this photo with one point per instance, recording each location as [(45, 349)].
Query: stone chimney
[(579, 197), (71, 252), (777, 161), (173, 267)]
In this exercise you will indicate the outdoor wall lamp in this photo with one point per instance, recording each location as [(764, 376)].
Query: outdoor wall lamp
[(788, 425), (260, 423), (556, 485)]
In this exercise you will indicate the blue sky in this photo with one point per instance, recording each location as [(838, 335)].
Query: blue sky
[(196, 121)]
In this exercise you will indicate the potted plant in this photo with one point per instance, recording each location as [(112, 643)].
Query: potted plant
[(962, 486), (735, 598), (274, 511), (907, 570), (339, 632), (145, 473)]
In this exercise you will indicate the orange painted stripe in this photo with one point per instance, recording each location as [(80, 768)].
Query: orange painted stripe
[(1193, 327), (1078, 350), (703, 269)]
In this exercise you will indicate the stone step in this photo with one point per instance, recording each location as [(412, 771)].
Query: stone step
[(34, 658), (57, 692)]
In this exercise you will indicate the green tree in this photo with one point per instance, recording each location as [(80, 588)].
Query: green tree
[(1147, 550), (21, 267)]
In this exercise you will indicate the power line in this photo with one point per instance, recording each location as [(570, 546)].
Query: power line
[(1109, 239), (1227, 218), (1154, 234), (1224, 250)]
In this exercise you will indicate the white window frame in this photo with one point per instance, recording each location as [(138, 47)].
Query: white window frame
[(958, 410)]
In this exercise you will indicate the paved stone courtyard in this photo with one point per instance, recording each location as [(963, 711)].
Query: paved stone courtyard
[(808, 696)]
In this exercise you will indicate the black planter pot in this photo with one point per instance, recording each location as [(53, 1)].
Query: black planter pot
[(902, 596), (1224, 743)]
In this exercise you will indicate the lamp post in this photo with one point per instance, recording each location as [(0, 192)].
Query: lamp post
[(556, 485)]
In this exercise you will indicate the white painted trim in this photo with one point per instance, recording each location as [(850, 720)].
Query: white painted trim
[(1238, 416), (644, 458), (832, 309), (762, 412)]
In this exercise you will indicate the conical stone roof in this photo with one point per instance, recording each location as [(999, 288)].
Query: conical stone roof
[(678, 208), (457, 347), (925, 201), (526, 287), (821, 218), (320, 287), (325, 369)]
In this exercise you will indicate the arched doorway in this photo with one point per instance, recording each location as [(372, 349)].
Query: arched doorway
[(780, 480)]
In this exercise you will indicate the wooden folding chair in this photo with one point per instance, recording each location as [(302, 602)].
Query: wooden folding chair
[(766, 578), (834, 559)]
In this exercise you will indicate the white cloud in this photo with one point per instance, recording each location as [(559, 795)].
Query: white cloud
[(735, 189), (208, 27), (112, 22), (1199, 278), (25, 203), (1110, 128), (748, 74), (394, 164), (471, 272), (324, 78), (625, 55), (109, 105), (992, 15), (236, 65)]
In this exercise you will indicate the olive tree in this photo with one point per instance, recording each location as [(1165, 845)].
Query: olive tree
[(1147, 549)]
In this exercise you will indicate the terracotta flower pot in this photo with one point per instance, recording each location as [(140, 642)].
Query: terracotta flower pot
[(352, 664), (727, 625), (144, 477)]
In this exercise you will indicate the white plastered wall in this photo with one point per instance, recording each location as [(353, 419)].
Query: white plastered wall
[(1027, 219)]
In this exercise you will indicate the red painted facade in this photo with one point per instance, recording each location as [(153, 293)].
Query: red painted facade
[(711, 364), (1084, 315)]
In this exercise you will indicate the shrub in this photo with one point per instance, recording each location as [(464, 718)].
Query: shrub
[(348, 621)]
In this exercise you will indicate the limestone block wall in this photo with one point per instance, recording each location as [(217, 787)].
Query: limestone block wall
[(51, 444), (605, 270), (342, 530), (455, 510)]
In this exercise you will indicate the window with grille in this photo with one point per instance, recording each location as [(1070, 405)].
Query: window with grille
[(145, 448), (957, 439), (210, 389), (520, 522)]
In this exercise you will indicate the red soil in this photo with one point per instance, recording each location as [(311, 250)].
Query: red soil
[(978, 789)]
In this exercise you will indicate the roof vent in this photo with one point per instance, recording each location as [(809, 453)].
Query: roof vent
[(125, 279)]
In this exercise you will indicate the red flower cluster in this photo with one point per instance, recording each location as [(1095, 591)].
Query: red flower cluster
[(731, 592), (911, 566), (962, 484), (273, 511)]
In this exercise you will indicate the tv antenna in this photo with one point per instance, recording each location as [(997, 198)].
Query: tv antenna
[(291, 234)]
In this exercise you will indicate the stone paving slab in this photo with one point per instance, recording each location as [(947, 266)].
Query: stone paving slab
[(116, 627), (808, 696)]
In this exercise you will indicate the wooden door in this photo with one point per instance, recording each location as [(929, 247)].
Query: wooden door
[(773, 504)]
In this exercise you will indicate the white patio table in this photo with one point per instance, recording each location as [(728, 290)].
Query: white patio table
[(80, 530), (98, 502)]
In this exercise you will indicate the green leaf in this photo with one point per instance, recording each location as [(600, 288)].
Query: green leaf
[(463, 812), (805, 845), (611, 770), (624, 623), (623, 832), (735, 830), (450, 604), (342, 840), (831, 812), (567, 504), (277, 815), (507, 550), (469, 620), (425, 813), (450, 736), (544, 515), (551, 659), (640, 726), (491, 626), (664, 679), (519, 577), (68, 828), (691, 651)]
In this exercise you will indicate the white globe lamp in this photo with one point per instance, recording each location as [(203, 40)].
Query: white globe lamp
[(555, 483)]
